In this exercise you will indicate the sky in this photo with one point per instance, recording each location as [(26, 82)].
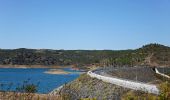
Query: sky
[(83, 24)]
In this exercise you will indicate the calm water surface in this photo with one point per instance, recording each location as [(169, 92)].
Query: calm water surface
[(47, 82)]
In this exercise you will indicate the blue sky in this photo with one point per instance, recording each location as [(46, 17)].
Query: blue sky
[(84, 24)]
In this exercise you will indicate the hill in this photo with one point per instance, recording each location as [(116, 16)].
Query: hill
[(151, 54), (157, 55)]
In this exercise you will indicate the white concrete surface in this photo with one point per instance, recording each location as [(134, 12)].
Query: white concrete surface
[(126, 83), (164, 75), (56, 90)]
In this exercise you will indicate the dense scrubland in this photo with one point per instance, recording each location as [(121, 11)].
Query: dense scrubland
[(151, 54)]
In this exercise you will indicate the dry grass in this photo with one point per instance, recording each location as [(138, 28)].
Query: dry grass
[(137, 95), (27, 96)]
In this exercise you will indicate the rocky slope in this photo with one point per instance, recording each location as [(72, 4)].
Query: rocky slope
[(87, 87)]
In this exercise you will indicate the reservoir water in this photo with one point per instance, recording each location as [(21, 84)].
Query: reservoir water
[(13, 77)]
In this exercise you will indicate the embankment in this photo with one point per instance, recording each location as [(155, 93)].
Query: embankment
[(126, 83)]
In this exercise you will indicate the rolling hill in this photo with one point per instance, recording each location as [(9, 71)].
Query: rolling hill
[(151, 54)]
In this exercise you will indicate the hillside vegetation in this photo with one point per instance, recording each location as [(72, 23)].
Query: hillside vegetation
[(152, 54)]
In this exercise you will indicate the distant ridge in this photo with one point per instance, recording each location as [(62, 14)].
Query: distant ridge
[(151, 54)]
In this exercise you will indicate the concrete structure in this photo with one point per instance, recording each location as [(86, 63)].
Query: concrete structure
[(54, 92), (164, 75), (126, 83)]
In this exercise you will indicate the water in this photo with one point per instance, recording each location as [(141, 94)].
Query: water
[(47, 82)]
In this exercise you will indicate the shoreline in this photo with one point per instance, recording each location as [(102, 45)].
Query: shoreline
[(34, 66), (54, 69), (61, 72), (72, 67)]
